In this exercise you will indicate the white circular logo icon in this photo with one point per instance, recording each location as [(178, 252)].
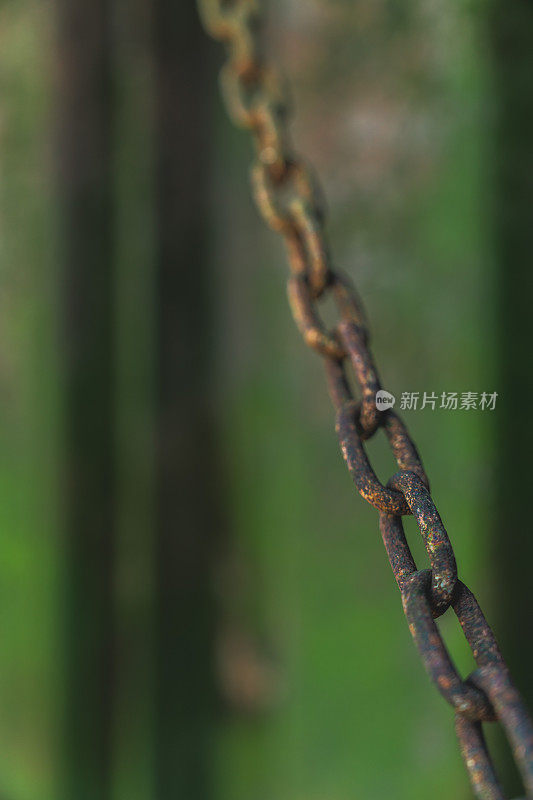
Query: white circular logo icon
[(384, 400)]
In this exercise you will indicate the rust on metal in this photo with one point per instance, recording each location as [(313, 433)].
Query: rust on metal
[(496, 683), (351, 437), (463, 696), (290, 204), (433, 532), (354, 339), (289, 199), (364, 477), (477, 759), (304, 310)]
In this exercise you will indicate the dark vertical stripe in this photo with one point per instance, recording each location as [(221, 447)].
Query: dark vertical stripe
[(84, 119), (134, 580), (512, 31), (186, 503)]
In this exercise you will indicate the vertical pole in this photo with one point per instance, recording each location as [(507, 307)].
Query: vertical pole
[(185, 486), (84, 118), (133, 165), (512, 27)]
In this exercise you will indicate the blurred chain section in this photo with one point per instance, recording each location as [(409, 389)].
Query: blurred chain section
[(289, 199)]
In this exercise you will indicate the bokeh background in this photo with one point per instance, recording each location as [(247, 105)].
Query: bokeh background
[(195, 603)]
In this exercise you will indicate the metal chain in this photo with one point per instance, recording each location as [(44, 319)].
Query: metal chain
[(288, 198)]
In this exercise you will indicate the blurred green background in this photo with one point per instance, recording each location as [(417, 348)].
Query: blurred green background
[(195, 602)]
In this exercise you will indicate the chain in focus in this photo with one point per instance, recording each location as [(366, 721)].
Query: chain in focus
[(288, 198)]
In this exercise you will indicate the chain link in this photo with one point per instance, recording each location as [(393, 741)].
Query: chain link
[(289, 199)]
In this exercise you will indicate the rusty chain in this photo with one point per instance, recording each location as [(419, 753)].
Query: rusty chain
[(288, 197)]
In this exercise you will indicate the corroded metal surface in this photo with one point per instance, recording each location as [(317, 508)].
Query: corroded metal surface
[(288, 197), (438, 546), (418, 606)]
